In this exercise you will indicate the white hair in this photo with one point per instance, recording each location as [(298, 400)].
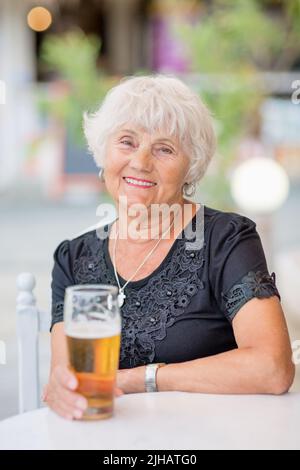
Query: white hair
[(155, 103)]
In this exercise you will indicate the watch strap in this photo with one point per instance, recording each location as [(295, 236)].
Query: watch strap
[(150, 376)]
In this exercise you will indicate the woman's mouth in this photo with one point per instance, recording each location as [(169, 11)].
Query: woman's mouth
[(139, 183)]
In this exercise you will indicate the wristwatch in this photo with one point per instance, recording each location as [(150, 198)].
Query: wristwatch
[(150, 376)]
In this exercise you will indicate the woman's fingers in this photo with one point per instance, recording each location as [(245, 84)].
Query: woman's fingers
[(57, 405), (74, 400), (66, 403), (60, 396), (65, 377)]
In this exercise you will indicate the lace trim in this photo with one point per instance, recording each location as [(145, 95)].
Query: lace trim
[(255, 284), (168, 292), (57, 313)]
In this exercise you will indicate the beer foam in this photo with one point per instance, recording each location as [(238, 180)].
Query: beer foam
[(92, 330)]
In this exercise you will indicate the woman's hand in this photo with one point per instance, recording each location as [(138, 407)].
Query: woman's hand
[(60, 394)]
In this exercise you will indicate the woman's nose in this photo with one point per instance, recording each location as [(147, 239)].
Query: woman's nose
[(141, 159)]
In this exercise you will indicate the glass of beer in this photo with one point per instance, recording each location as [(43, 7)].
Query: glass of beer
[(93, 327)]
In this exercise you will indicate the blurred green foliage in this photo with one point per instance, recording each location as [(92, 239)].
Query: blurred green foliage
[(232, 42), (73, 57)]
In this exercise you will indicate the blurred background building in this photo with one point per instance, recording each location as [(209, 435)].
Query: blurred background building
[(59, 57)]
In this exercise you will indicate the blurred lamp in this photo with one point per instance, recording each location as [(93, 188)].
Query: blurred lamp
[(39, 19), (259, 185)]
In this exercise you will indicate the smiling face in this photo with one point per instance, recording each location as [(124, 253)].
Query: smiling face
[(145, 168)]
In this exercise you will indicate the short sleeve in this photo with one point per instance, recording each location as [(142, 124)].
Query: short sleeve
[(238, 268), (61, 278)]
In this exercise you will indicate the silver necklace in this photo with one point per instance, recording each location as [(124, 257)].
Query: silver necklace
[(121, 295)]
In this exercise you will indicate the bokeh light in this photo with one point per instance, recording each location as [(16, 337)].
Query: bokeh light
[(39, 19), (259, 185)]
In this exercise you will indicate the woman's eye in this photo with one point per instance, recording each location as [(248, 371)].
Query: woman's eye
[(126, 142), (166, 150)]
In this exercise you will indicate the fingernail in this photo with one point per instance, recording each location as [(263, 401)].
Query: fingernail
[(72, 383), (81, 403), (77, 414)]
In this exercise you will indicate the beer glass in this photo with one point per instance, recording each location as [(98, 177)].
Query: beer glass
[(93, 325)]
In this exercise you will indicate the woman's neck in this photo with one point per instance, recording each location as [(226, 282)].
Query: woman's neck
[(153, 224)]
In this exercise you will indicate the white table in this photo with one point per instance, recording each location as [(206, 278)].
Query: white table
[(166, 420)]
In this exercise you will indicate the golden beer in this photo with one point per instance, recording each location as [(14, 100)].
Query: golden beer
[(93, 327), (94, 361)]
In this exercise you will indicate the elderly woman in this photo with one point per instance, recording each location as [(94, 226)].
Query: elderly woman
[(203, 313)]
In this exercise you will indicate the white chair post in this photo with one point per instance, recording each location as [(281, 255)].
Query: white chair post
[(27, 330)]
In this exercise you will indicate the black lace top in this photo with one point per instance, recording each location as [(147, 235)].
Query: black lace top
[(184, 309)]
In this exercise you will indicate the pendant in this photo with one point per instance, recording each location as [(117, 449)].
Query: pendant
[(121, 298)]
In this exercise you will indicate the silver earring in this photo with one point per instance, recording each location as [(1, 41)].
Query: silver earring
[(189, 189), (101, 175)]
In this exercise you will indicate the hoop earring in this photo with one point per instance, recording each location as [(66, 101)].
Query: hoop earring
[(189, 189), (101, 175)]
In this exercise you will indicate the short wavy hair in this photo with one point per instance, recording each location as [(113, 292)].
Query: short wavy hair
[(155, 103)]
